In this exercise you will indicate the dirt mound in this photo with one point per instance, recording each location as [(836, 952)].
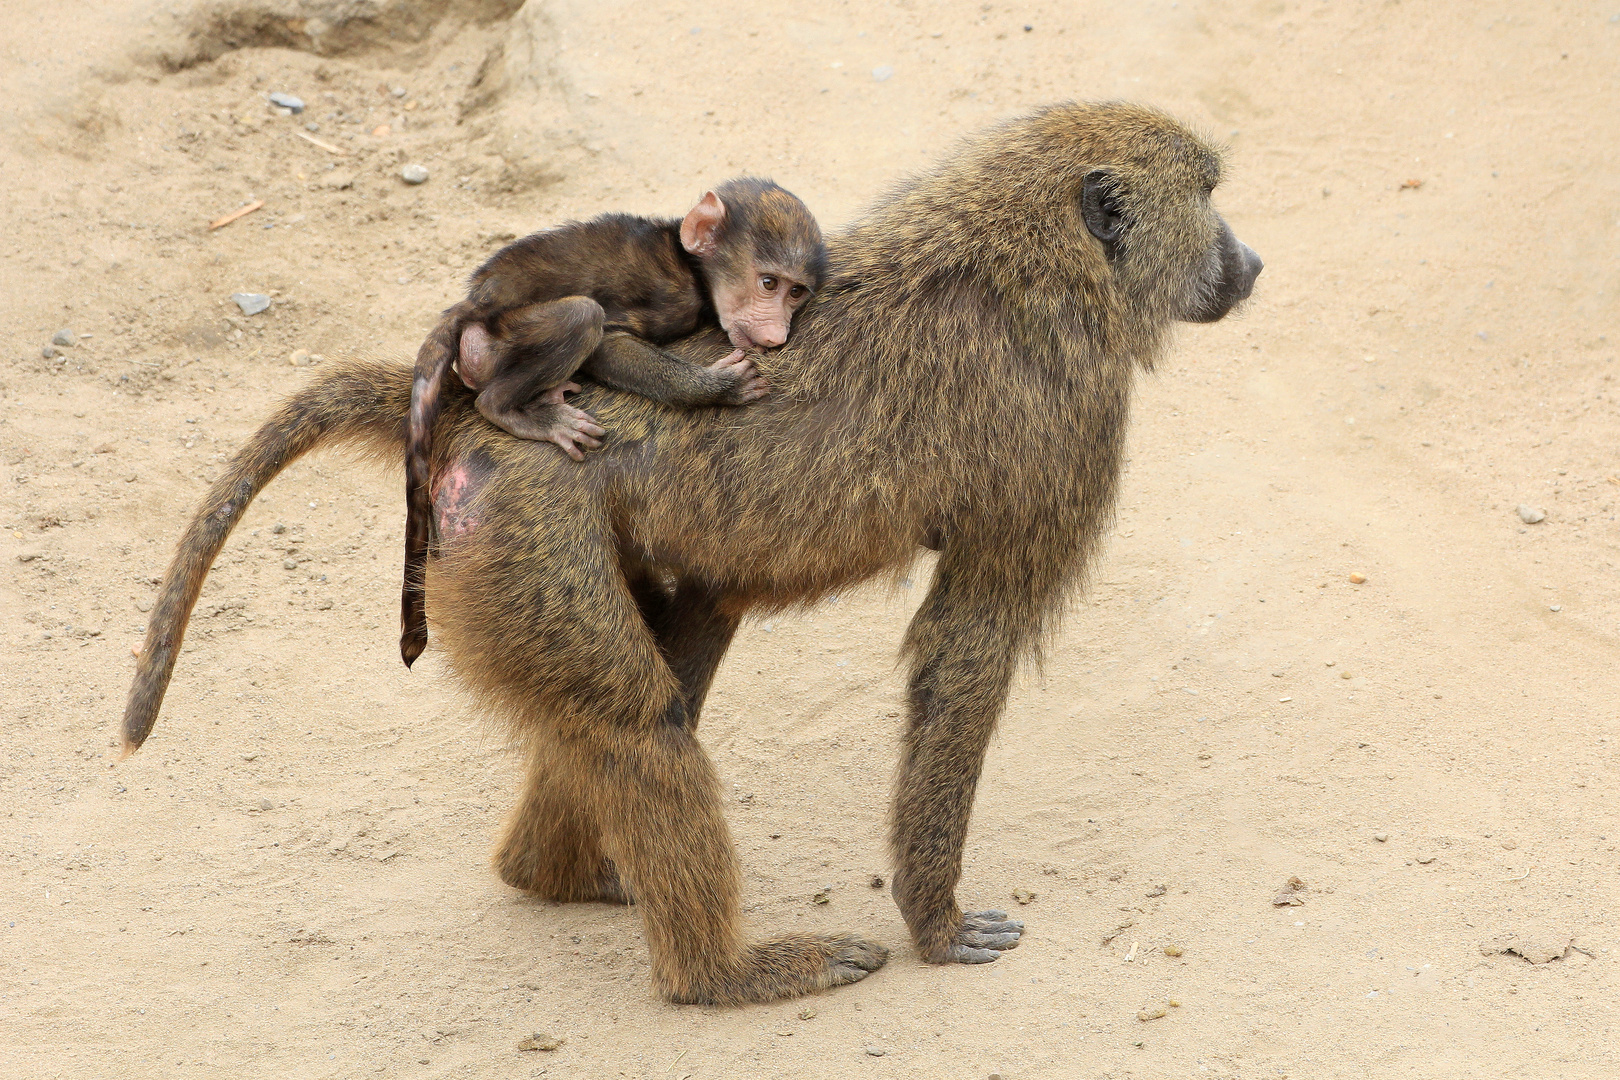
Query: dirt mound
[(212, 28)]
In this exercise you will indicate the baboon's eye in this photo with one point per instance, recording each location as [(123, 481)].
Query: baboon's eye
[(768, 283), (797, 291)]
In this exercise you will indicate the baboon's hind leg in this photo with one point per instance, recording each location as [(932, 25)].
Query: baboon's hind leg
[(551, 845), (621, 746)]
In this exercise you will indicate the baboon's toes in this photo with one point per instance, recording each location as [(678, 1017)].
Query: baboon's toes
[(853, 959)]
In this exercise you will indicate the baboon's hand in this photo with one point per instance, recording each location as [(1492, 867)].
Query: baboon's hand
[(554, 396), (740, 381), (575, 431), (984, 936)]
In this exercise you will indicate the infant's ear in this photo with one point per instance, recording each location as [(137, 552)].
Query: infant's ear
[(700, 230)]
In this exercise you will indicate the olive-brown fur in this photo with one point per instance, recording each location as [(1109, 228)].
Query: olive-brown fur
[(964, 377)]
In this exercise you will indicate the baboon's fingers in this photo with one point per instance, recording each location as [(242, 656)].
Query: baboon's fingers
[(733, 359), (991, 922), (990, 941), (963, 954)]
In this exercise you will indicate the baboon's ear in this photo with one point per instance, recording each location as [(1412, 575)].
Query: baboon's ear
[(700, 231), (1100, 207)]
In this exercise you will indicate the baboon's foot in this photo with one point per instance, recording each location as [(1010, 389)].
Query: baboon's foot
[(981, 937), (784, 968), (572, 884), (574, 430)]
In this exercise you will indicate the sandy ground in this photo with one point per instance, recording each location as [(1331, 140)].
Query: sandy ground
[(291, 879)]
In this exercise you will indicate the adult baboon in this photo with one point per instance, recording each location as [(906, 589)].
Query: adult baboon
[(964, 378)]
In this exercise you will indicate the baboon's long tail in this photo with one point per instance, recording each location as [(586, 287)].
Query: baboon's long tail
[(358, 401), (433, 362)]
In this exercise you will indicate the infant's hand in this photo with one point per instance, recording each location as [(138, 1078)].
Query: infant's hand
[(745, 384)]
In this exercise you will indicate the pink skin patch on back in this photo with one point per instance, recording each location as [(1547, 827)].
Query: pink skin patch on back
[(454, 491)]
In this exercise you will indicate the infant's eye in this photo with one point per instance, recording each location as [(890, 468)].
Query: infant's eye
[(796, 292), (767, 283)]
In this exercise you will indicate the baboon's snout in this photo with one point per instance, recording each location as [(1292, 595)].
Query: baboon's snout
[(1249, 267)]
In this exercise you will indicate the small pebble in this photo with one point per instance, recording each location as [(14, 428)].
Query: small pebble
[(1023, 896), (1556, 607), (1531, 515), (877, 881), (540, 1041), (299, 358), (65, 337), (1172, 950), (1358, 579), (414, 174), (876, 1051), (251, 303), (1425, 859), (292, 564), (1175, 1003), (1344, 674), (287, 101), (883, 73), (823, 897), (143, 605), (1381, 837), (266, 804), (278, 528), (807, 1014), (1154, 1013), (48, 352)]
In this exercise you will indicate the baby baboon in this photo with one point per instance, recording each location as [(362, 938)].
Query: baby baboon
[(965, 377), (596, 297)]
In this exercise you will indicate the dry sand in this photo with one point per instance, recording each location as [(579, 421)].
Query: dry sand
[(291, 879)]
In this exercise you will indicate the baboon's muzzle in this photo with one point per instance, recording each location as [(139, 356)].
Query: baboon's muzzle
[(1235, 281)]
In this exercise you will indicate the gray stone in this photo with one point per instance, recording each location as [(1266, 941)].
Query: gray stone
[(883, 73), (414, 174), (876, 1051), (66, 337), (48, 352), (1531, 515), (251, 303), (287, 101)]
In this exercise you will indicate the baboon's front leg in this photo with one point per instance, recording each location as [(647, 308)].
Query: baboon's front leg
[(964, 658)]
